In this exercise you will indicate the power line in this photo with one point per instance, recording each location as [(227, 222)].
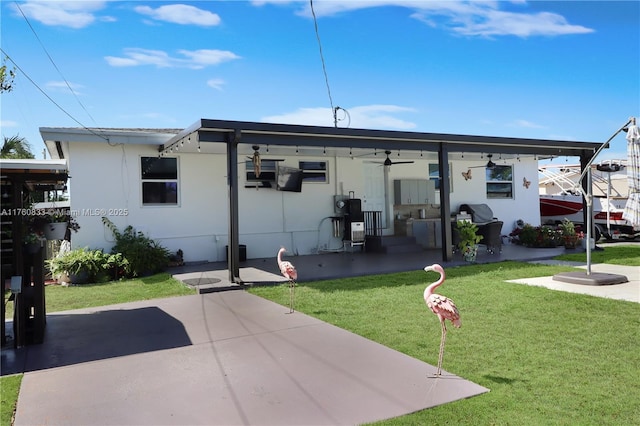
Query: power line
[(53, 62), (334, 110), (49, 97)]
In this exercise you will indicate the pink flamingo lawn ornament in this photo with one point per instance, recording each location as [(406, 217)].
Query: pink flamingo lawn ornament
[(443, 307), (289, 272)]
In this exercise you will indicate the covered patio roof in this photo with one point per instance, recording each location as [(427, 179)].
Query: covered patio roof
[(236, 138), (348, 142)]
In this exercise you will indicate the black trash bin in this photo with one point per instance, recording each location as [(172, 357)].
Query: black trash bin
[(243, 252)]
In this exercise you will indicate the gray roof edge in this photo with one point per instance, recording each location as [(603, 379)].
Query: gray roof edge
[(110, 135), (295, 130), (16, 164), (167, 137)]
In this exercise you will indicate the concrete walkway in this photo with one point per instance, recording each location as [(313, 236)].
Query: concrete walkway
[(224, 358), (629, 291)]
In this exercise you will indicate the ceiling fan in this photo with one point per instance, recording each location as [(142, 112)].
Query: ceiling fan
[(388, 161), (490, 164)]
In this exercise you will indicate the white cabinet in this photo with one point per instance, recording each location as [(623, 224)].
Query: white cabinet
[(414, 191)]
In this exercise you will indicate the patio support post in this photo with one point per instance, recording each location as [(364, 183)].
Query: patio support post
[(233, 250), (585, 164), (445, 202), (20, 318)]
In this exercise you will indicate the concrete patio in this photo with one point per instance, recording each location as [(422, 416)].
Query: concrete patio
[(225, 358)]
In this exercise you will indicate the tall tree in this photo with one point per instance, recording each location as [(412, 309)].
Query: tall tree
[(16, 147), (6, 78)]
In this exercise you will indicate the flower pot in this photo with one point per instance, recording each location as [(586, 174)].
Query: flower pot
[(64, 278), (33, 248), (584, 243), (55, 231), (469, 253), (570, 241), (82, 277)]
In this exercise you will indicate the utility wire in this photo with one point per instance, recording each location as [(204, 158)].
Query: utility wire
[(52, 62), (49, 97), (334, 111)]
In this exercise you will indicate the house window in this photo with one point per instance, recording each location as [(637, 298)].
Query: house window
[(434, 175), (159, 181), (500, 182), (266, 177), (314, 171)]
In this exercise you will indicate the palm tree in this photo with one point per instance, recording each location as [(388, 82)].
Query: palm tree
[(16, 147)]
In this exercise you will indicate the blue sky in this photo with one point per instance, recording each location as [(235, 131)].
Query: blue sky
[(538, 69)]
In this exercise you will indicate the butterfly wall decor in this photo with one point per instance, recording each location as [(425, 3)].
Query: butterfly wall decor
[(467, 175), (526, 182)]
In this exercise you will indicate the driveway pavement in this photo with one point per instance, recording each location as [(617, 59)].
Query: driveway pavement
[(224, 358)]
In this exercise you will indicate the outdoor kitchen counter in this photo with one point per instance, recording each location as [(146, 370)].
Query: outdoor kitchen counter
[(426, 231)]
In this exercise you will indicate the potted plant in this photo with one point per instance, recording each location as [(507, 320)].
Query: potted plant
[(55, 222), (56, 225), (81, 265), (569, 234), (469, 239)]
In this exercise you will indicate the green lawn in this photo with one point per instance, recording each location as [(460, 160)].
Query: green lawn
[(619, 254), (10, 386), (59, 298), (548, 357)]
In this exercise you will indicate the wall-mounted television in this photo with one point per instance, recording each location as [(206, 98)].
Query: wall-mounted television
[(289, 179)]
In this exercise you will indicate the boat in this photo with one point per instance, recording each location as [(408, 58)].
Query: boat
[(560, 198)]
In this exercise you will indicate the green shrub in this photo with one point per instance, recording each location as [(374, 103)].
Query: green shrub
[(144, 255), (468, 233), (98, 266), (540, 236)]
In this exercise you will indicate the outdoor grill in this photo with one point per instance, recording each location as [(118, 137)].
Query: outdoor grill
[(354, 222)]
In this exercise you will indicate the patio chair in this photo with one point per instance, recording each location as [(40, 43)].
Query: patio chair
[(488, 226), (491, 236)]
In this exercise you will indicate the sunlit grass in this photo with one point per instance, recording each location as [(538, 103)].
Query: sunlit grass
[(548, 357), (619, 254), (59, 298), (10, 386)]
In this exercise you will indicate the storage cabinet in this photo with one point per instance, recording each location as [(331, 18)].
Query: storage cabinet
[(414, 191), (428, 233)]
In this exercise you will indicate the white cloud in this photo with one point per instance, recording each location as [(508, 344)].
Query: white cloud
[(195, 59), (5, 124), (216, 83), (181, 14), (527, 124), (63, 86), (368, 116), (73, 14), (497, 23), (204, 57), (470, 18)]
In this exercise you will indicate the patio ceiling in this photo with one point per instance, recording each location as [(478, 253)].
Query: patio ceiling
[(238, 138), (211, 136)]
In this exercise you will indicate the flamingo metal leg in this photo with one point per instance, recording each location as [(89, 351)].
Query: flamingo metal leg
[(442, 340)]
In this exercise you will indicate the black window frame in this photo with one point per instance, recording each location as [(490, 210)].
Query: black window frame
[(156, 173), (497, 186), (314, 171)]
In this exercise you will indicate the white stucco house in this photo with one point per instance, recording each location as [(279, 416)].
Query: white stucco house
[(195, 189)]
